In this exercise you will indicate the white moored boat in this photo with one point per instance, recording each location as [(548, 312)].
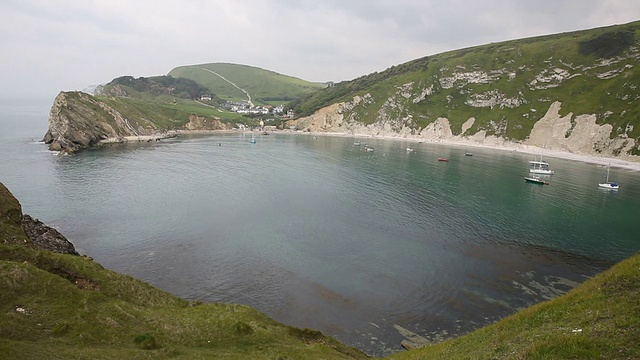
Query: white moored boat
[(611, 185), (539, 167)]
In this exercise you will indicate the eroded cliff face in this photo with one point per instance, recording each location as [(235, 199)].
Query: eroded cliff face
[(575, 134), (203, 123), (78, 120)]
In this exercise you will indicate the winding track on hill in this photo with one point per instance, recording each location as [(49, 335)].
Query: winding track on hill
[(234, 85)]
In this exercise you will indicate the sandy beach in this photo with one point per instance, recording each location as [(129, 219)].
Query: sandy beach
[(629, 163)]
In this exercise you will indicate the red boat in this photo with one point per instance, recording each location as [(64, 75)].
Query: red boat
[(443, 159)]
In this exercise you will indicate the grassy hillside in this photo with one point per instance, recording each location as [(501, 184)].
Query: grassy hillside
[(57, 306), (505, 86), (169, 112), (600, 319), (264, 86)]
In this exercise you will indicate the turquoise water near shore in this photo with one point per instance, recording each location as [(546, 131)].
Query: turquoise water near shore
[(318, 233)]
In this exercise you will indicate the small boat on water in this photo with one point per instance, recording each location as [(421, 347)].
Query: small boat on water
[(611, 185), (443, 159), (409, 149), (538, 166), (368, 148), (468, 154), (252, 140), (356, 143), (535, 180)]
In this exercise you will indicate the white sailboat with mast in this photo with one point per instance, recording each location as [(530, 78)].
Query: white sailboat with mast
[(611, 185)]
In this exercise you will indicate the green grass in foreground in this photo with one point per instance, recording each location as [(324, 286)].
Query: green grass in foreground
[(598, 320), (55, 306)]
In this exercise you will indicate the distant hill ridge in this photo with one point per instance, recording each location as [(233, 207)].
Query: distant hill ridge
[(243, 82)]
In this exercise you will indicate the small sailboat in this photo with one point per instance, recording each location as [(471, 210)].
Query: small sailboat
[(252, 140), (535, 180), (611, 185)]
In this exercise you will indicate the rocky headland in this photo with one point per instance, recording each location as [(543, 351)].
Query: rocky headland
[(80, 121)]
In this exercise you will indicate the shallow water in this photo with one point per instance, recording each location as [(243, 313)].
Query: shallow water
[(318, 233)]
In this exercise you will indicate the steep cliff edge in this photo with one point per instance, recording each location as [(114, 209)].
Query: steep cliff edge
[(78, 120), (17, 228)]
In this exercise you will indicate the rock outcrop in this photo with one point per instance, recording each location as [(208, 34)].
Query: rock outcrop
[(19, 229), (46, 237), (11, 232), (203, 123), (78, 121)]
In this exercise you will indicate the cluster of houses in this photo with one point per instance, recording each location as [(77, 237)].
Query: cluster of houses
[(245, 107)]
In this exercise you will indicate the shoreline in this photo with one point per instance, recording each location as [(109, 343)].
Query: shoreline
[(626, 163), (623, 163)]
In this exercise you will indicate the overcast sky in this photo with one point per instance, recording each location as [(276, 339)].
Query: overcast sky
[(49, 46)]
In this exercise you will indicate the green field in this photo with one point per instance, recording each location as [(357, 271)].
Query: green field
[(264, 86)]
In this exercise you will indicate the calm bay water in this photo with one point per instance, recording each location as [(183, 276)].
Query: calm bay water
[(318, 233)]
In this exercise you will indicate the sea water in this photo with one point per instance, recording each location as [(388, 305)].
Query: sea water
[(318, 233)]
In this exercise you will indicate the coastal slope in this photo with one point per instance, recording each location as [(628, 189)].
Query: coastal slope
[(572, 92), (79, 121)]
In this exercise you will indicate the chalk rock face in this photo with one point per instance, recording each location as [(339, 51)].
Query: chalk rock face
[(437, 130), (203, 123), (579, 134), (78, 120)]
